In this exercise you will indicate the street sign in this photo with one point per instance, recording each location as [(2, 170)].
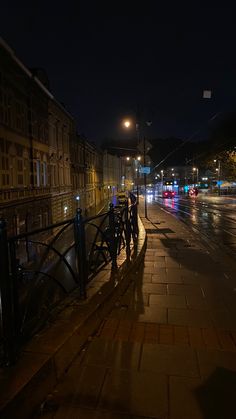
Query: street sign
[(145, 170), (207, 94)]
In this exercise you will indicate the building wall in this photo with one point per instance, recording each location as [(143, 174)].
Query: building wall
[(24, 149), (46, 169), (61, 134), (112, 174)]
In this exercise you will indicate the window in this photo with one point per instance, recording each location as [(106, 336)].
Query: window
[(4, 164), (26, 172), (38, 173), (44, 173), (20, 178)]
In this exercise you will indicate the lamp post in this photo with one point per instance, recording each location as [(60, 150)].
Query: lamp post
[(195, 169), (128, 124), (162, 174), (218, 170), (143, 144)]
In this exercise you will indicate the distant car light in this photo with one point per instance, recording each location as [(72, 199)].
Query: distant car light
[(168, 194)]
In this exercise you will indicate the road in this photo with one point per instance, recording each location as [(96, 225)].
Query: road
[(212, 217)]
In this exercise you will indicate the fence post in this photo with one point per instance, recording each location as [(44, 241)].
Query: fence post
[(134, 217), (127, 229), (7, 301), (80, 249), (113, 238)]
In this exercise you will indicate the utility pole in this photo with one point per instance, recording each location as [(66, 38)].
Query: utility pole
[(138, 139), (219, 176), (145, 178)]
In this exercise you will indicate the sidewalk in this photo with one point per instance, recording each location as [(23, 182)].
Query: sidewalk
[(167, 350), (44, 360)]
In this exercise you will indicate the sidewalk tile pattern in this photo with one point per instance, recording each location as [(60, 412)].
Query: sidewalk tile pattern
[(167, 350)]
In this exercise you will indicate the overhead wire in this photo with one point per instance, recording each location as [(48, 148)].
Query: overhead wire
[(187, 140)]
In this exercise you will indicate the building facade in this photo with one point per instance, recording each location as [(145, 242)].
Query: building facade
[(112, 174), (47, 170), (24, 146)]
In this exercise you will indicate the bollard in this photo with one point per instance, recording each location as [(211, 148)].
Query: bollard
[(80, 249)]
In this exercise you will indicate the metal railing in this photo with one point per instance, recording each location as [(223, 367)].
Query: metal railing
[(40, 268)]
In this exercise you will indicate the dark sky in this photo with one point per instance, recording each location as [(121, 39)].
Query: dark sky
[(102, 63)]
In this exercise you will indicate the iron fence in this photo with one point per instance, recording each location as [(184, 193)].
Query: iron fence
[(40, 268)]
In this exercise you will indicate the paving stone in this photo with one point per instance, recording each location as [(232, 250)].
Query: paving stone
[(137, 393), (138, 332), (113, 354), (190, 277), (154, 288), (151, 333), (196, 337), (184, 289), (152, 314), (153, 270), (216, 302), (226, 340), (169, 359), (175, 301), (167, 278), (124, 330), (174, 276), (118, 313), (210, 338), (189, 317), (159, 278), (223, 319), (148, 263), (210, 360), (197, 302), (147, 278), (76, 412), (171, 262), (181, 336), (183, 398), (166, 334), (81, 385)]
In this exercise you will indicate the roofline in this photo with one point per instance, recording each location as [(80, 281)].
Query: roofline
[(29, 74)]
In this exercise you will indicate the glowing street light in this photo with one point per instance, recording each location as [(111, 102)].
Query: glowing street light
[(218, 171), (195, 169), (127, 123)]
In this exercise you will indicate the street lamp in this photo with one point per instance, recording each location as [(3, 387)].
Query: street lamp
[(128, 124), (162, 175), (218, 170), (195, 169)]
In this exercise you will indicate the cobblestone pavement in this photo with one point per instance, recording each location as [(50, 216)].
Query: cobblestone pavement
[(168, 348)]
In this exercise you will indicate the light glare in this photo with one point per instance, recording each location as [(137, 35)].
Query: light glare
[(127, 124)]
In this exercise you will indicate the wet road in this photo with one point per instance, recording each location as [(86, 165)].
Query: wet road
[(212, 217)]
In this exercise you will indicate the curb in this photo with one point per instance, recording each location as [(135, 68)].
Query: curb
[(49, 354)]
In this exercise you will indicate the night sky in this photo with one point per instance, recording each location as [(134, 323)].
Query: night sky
[(103, 63)]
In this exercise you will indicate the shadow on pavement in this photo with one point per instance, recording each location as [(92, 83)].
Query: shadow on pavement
[(217, 396)]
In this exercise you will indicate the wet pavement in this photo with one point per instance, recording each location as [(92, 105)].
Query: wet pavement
[(167, 350), (211, 216)]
